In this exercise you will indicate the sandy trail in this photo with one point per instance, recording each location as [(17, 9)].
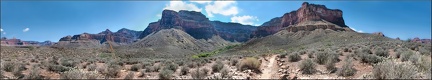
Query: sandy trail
[(269, 70)]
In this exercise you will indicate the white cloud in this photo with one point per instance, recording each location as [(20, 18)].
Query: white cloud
[(159, 15), (247, 20), (180, 5), (1, 30), (200, 2), (4, 32), (26, 29), (360, 31), (226, 8)]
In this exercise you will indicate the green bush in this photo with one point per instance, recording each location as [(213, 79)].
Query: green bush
[(391, 70), (347, 69), (307, 67), (165, 74), (217, 66), (294, 57), (250, 63), (283, 55)]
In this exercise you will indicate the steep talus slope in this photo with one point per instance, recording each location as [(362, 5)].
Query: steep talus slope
[(173, 43)]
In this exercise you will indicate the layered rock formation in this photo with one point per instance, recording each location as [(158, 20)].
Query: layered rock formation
[(234, 31), (307, 12), (122, 36), (193, 23)]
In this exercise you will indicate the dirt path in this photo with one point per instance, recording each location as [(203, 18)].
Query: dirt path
[(270, 69)]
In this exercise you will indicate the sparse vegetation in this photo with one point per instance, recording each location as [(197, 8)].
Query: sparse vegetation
[(217, 66), (198, 74), (250, 63), (294, 57), (347, 69), (406, 55), (129, 76), (184, 70), (391, 70), (165, 74), (135, 67), (307, 67)]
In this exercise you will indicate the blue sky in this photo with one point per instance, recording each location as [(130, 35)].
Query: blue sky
[(51, 20)]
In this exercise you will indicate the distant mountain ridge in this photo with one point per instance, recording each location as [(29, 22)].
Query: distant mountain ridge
[(122, 36)]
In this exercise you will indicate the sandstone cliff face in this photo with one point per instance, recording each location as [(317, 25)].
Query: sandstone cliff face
[(234, 31), (193, 23), (307, 12), (418, 40)]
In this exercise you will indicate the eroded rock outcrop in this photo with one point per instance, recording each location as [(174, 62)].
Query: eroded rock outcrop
[(193, 23), (122, 36), (307, 12)]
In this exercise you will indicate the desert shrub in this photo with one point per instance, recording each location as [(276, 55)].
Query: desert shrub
[(156, 68), (321, 58), (34, 74), (129, 76), (302, 52), (217, 66), (294, 57), (17, 72), (192, 64), (347, 69), (406, 55), (224, 73), (282, 55), (142, 73), (424, 51), (91, 67), (205, 70), (68, 62), (422, 62), (179, 63), (57, 68), (381, 52), (165, 74), (369, 58), (184, 70), (135, 67), (146, 64), (234, 62), (391, 70), (330, 66), (250, 63), (8, 66), (310, 55), (72, 74), (307, 67), (198, 74), (171, 66), (112, 70)]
